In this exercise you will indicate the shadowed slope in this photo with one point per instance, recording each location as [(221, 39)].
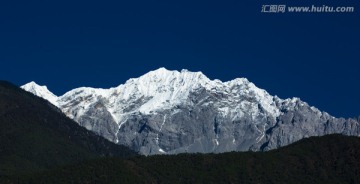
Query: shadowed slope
[(35, 135)]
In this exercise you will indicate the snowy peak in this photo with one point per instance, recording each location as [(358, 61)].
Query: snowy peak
[(40, 91), (164, 77), (163, 88)]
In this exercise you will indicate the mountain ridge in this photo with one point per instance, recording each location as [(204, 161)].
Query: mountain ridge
[(326, 159), (173, 112)]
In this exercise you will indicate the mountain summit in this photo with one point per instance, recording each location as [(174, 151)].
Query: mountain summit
[(173, 112), (41, 91)]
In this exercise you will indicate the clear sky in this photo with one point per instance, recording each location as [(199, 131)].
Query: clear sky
[(68, 44)]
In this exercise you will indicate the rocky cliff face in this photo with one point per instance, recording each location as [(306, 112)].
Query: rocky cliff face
[(174, 112)]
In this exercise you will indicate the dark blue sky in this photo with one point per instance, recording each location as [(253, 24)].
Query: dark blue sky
[(102, 44)]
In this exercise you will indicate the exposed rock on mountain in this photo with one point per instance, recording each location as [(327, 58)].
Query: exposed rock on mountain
[(173, 112)]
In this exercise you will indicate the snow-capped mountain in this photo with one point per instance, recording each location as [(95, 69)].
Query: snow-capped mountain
[(173, 112), (40, 91)]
